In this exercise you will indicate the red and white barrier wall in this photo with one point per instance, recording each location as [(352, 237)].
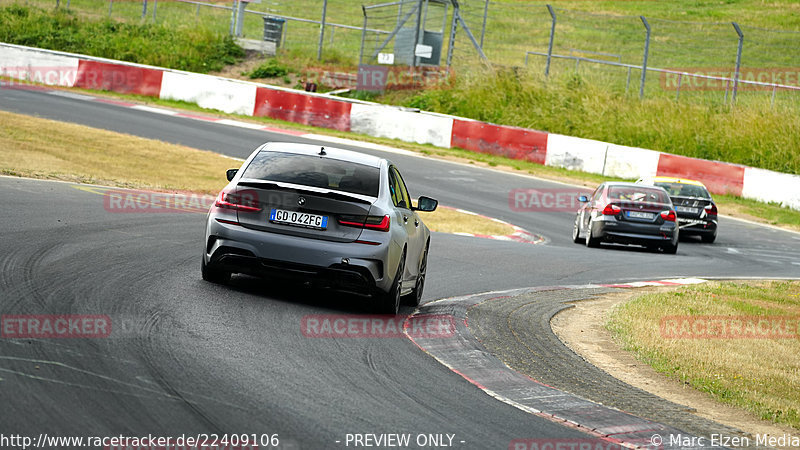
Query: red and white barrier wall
[(253, 99)]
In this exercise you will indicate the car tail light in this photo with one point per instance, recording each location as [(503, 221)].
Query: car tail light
[(379, 223), (611, 210), (669, 216), (711, 209), (238, 201)]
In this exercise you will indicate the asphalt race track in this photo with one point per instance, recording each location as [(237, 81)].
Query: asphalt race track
[(191, 357)]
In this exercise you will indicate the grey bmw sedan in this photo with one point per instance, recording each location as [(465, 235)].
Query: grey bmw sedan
[(334, 218)]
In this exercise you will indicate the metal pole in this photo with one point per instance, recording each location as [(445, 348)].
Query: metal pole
[(322, 29), (628, 82), (452, 42), (738, 61), (772, 100), (233, 18), (240, 17), (552, 36), (110, 7), (727, 87), (363, 35), (483, 27), (155, 7), (197, 13), (646, 52), (414, 61), (144, 9), (678, 91)]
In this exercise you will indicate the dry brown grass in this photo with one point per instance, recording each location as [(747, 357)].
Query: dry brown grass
[(450, 220), (761, 375), (41, 148)]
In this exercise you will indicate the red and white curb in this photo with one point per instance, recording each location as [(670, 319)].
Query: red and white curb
[(464, 355)]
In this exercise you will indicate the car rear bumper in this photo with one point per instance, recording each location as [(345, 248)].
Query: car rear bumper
[(345, 266), (634, 233), (697, 226)]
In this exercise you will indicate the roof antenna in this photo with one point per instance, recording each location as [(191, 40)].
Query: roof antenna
[(322, 151)]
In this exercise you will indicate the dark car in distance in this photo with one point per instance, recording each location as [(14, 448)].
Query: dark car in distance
[(697, 212), (627, 213)]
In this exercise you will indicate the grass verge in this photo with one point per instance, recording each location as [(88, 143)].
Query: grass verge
[(760, 375), (82, 154), (184, 47)]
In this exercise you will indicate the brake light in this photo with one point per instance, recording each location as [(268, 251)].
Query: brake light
[(611, 210), (238, 201), (669, 216), (711, 209), (378, 223)]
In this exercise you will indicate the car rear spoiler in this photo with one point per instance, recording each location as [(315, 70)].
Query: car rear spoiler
[(322, 192)]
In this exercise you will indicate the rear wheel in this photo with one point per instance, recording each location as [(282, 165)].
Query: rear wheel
[(591, 241), (709, 238), (576, 230), (415, 296), (670, 248), (213, 275), (390, 301)]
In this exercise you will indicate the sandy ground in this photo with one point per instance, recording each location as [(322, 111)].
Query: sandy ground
[(582, 329)]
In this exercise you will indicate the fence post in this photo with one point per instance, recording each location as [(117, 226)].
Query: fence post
[(628, 81), (363, 35), (144, 9), (110, 7), (552, 36), (485, 14), (738, 61), (678, 91), (233, 18), (240, 18), (772, 100), (322, 29), (155, 7), (414, 61), (452, 42), (646, 52)]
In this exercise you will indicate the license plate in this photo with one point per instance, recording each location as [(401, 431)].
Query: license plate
[(298, 219), (640, 215), (686, 209)]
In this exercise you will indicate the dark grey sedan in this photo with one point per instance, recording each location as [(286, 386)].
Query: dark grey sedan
[(326, 216), (627, 213)]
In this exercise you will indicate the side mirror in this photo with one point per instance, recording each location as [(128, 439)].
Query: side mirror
[(583, 199), (230, 173), (426, 204)]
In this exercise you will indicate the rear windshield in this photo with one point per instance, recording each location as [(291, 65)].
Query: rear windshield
[(316, 171), (685, 190), (637, 194)]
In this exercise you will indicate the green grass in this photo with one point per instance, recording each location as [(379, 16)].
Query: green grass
[(185, 47), (758, 375), (755, 135)]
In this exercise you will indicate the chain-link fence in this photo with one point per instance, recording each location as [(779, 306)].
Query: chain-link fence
[(683, 59)]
